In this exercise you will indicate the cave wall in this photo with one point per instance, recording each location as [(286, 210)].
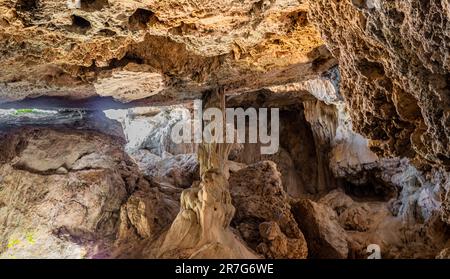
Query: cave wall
[(394, 61), (296, 159)]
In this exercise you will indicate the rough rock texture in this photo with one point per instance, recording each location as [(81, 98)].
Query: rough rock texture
[(147, 212), (150, 128), (296, 160), (263, 214), (325, 237), (61, 192), (276, 245), (154, 50), (202, 227), (146, 215), (400, 234), (444, 254), (148, 134), (394, 62)]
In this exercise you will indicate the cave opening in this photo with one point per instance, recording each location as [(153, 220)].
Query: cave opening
[(27, 5), (141, 18), (79, 24), (94, 5), (302, 160), (373, 190)]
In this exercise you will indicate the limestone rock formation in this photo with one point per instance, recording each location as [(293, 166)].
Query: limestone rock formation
[(145, 216), (399, 234), (277, 245), (175, 170), (202, 227), (132, 50), (444, 254), (325, 237), (61, 192), (263, 214), (393, 58), (201, 230), (150, 128)]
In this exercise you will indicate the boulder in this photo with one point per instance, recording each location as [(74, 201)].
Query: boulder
[(263, 206), (325, 237)]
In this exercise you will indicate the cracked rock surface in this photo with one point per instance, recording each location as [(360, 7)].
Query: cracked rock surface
[(156, 50), (395, 65)]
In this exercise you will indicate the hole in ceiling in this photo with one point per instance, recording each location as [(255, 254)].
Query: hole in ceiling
[(107, 32), (94, 5), (27, 5), (141, 18), (80, 24)]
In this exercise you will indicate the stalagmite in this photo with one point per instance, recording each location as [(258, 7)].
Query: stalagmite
[(202, 228)]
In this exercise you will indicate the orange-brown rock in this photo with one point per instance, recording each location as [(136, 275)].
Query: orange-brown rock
[(395, 68), (170, 50)]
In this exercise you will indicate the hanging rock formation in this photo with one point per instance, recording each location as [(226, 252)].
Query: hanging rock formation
[(394, 62)]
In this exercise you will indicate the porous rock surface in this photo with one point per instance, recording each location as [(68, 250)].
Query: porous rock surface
[(395, 66), (132, 50), (263, 213), (325, 237)]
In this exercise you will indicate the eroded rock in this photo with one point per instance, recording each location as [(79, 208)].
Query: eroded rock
[(47, 212), (324, 235), (263, 206), (158, 51), (276, 245), (394, 64)]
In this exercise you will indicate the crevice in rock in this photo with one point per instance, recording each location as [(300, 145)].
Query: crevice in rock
[(183, 28), (27, 5), (79, 24), (141, 19), (107, 32), (298, 18), (371, 70), (94, 5)]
